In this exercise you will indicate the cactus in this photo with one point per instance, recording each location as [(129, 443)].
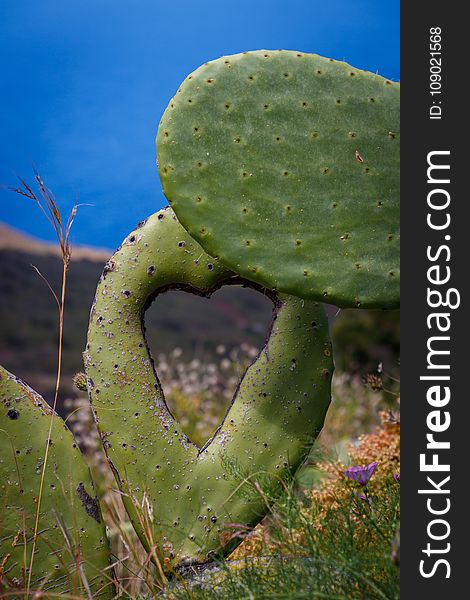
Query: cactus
[(277, 411), (71, 550), (282, 168), (285, 165)]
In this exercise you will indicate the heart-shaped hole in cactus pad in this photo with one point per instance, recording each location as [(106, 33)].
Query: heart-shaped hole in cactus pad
[(285, 165), (201, 359), (276, 413)]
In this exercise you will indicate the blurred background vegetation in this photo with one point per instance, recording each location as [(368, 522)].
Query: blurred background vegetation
[(201, 346), (235, 319)]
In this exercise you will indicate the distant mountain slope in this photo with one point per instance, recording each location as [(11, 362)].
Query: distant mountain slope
[(28, 314), (13, 239), (28, 318)]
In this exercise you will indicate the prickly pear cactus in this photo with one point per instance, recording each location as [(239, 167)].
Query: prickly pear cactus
[(285, 165), (275, 416), (71, 551)]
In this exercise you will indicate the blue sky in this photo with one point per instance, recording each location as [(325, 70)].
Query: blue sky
[(85, 82)]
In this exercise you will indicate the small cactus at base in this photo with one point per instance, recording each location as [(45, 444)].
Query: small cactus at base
[(276, 414), (71, 552)]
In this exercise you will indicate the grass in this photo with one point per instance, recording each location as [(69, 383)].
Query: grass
[(325, 536), (320, 539), (49, 207), (321, 542)]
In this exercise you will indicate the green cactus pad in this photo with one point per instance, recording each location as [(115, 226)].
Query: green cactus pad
[(71, 552), (275, 416), (285, 165)]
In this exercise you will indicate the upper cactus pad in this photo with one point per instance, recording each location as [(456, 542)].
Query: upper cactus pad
[(285, 165)]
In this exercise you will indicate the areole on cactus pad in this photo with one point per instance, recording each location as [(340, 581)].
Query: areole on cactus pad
[(276, 414), (285, 165)]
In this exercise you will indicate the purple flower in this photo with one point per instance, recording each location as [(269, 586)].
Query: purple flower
[(397, 477), (361, 475)]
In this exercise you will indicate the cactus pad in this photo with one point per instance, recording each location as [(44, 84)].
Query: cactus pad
[(276, 414), (71, 552), (285, 165)]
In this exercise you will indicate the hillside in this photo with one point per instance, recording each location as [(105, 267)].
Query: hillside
[(13, 239), (28, 315), (28, 318)]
